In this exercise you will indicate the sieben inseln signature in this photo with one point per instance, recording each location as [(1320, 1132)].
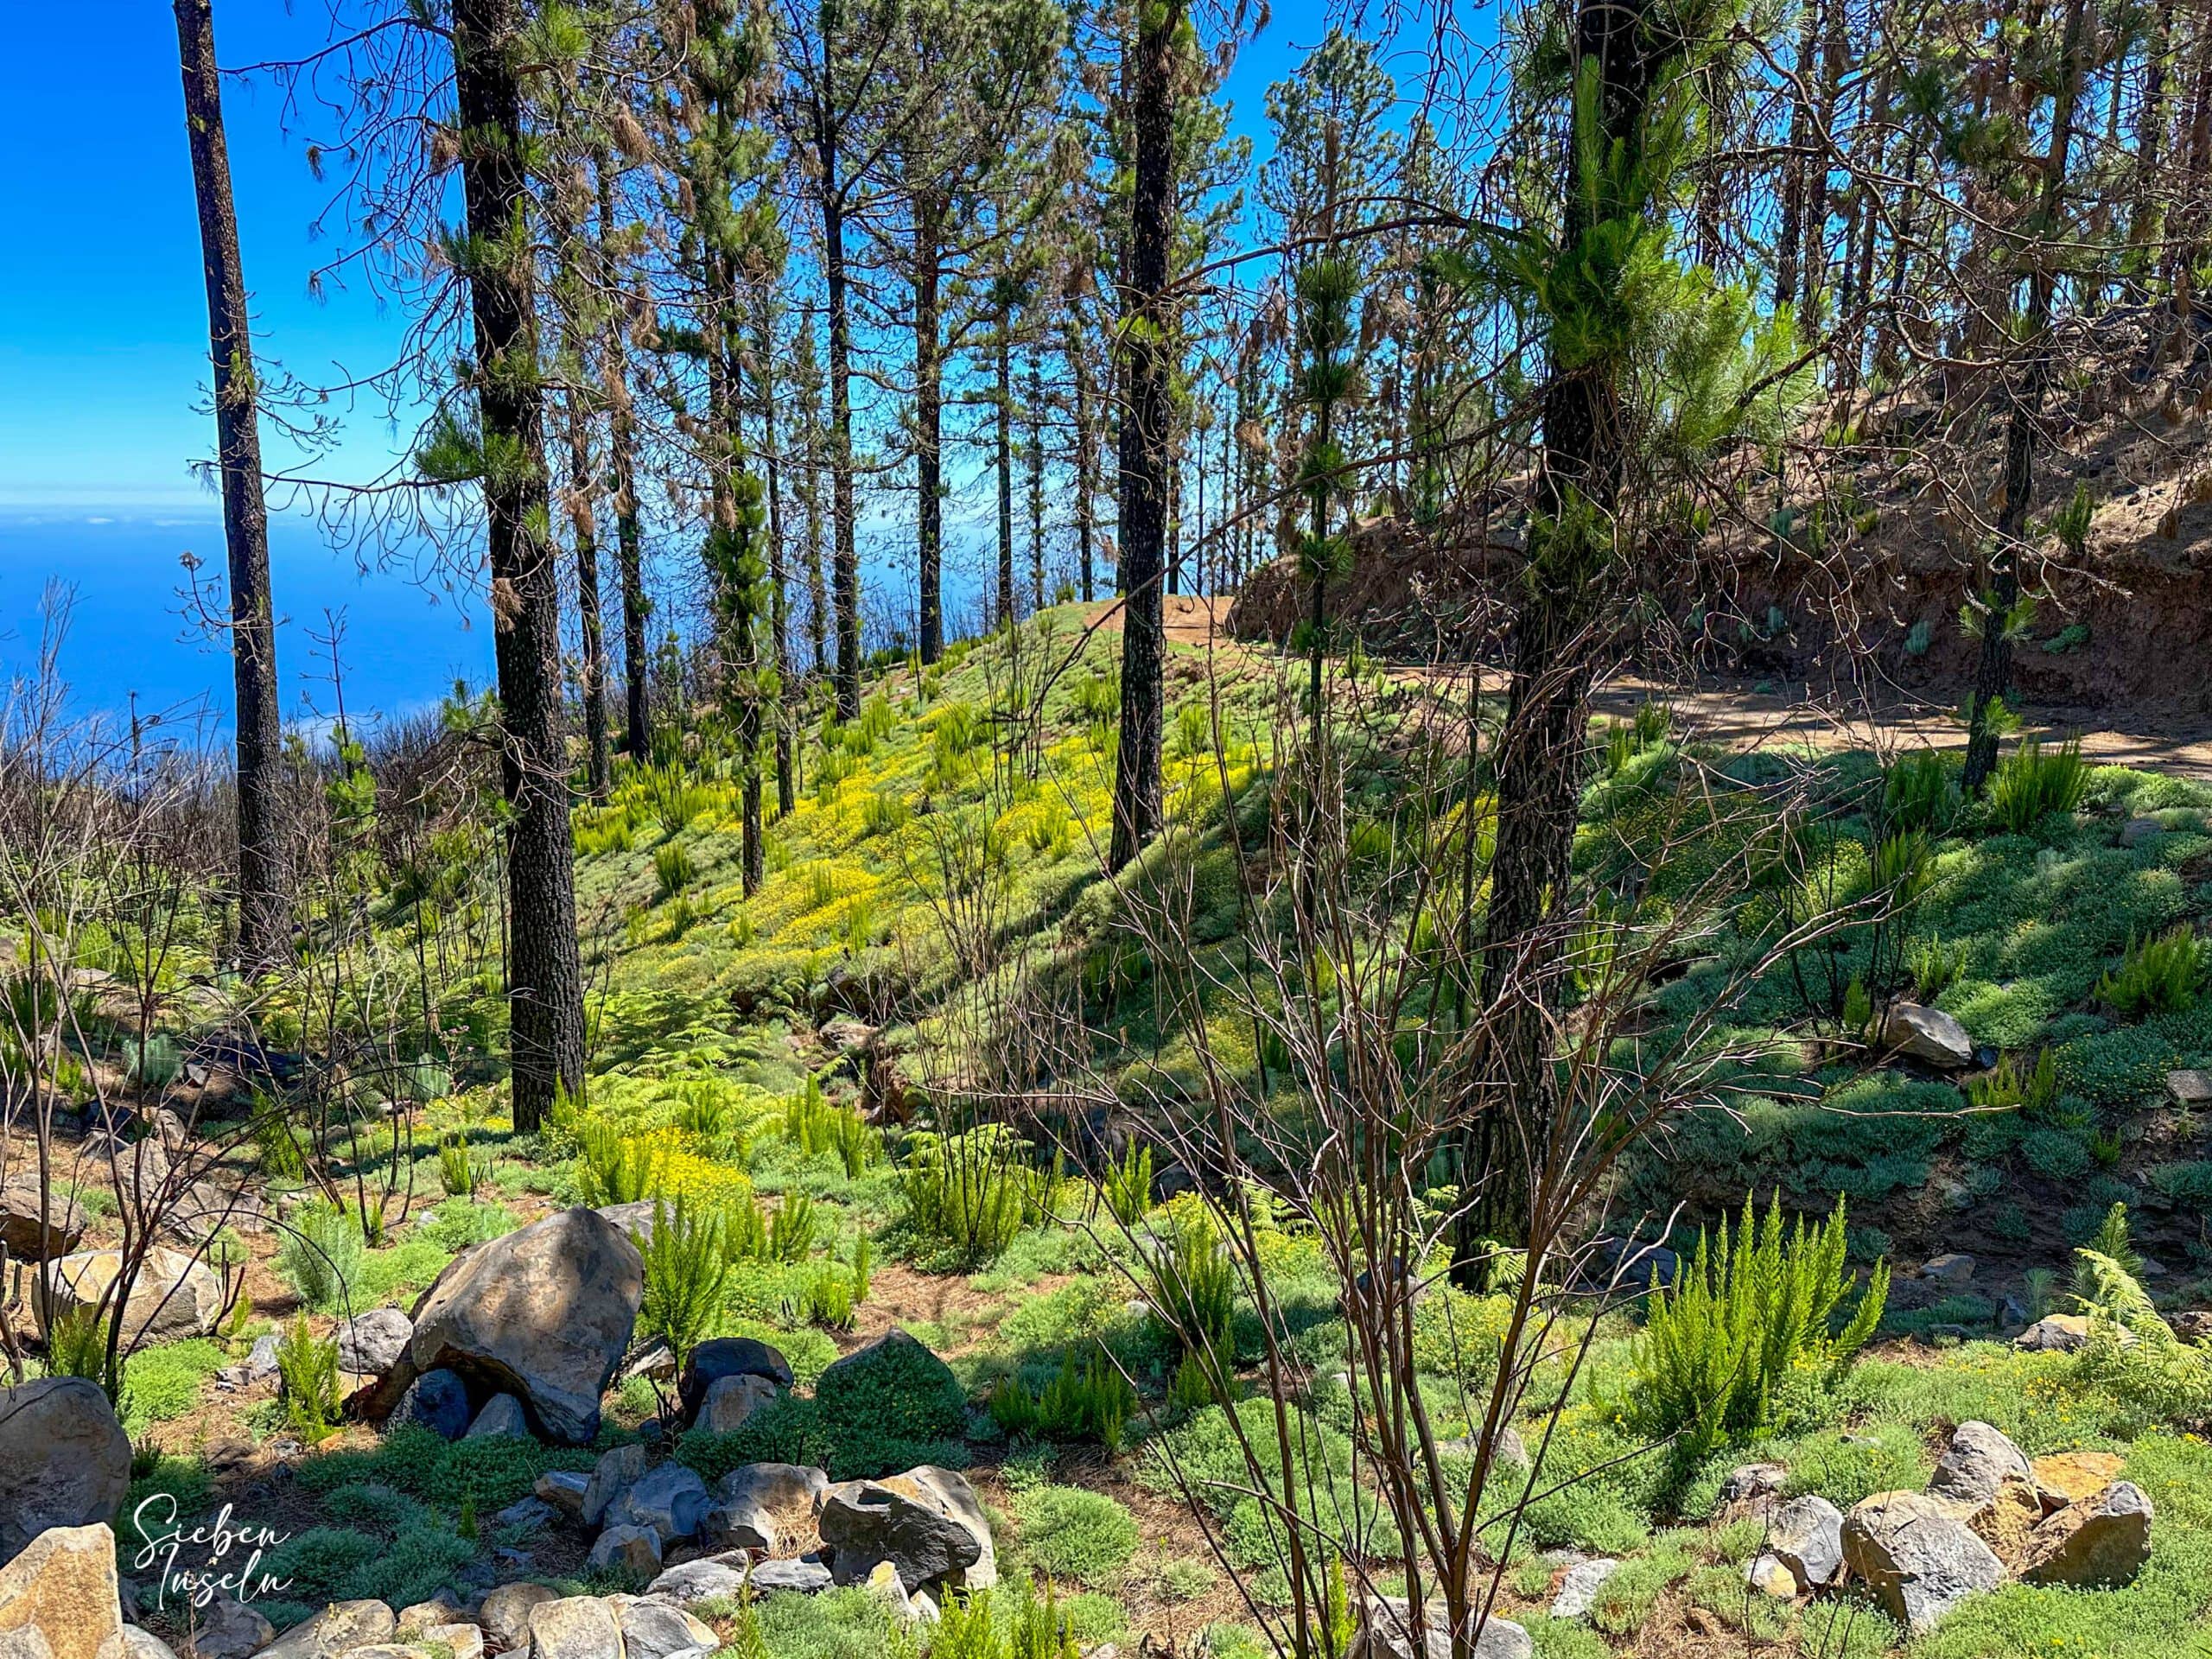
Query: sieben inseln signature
[(211, 1542)]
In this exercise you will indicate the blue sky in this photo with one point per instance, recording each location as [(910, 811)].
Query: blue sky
[(103, 347)]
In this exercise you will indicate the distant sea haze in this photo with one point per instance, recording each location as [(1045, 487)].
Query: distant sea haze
[(129, 632)]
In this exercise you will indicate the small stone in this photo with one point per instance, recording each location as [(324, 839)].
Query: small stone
[(2193, 1326), (338, 1629), (729, 1357), (1952, 1268), (441, 1609), (2054, 1334), (437, 1400), (228, 1630), (526, 1514), (505, 1613), (1928, 1035), (1578, 1592), (658, 1630), (463, 1638), (62, 1585), (773, 1507), (261, 1359), (1770, 1577), (804, 1576), (1980, 1460), (655, 1362), (2067, 1477), (672, 1500), (2103, 1540), (1389, 1630), (1751, 1481), (634, 1550), (502, 1418), (731, 1399), (370, 1344), (612, 1475), (2189, 1088), (1805, 1536), (575, 1627), (709, 1580)]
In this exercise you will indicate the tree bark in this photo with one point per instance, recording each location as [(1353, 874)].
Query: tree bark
[(544, 976), (1086, 480), (929, 420), (1145, 429), (637, 737), (1993, 673), (265, 938), (846, 575), (1004, 454)]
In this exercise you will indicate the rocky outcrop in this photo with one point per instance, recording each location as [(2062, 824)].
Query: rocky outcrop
[(926, 1522), (64, 1459), (173, 1295), (775, 1507), (543, 1313), (1917, 1556), (62, 1586), (338, 1629), (2103, 1540)]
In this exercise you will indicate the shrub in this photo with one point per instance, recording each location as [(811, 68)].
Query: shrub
[(612, 1167), (685, 1271), (752, 1234), (76, 1346), (307, 1366), (1069, 1533), (2158, 975), (904, 1397), (1193, 1290), (2031, 783), (1918, 792), (1092, 1400), (1127, 1187), (321, 1255), (459, 1173), (814, 1126), (967, 1194), (1749, 1318)]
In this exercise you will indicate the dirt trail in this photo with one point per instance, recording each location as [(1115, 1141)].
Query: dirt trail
[(1746, 719)]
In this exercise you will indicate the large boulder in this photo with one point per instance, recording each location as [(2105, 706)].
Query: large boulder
[(505, 1611), (1928, 1035), (338, 1629), (1917, 1556), (62, 1585), (226, 1629), (657, 1629), (35, 1234), (631, 1550), (669, 1501), (1389, 1628), (775, 1507), (2104, 1539), (575, 1627), (614, 1473), (1805, 1536), (926, 1522), (1980, 1461), (173, 1295), (731, 1401), (543, 1313), (723, 1356), (64, 1459), (370, 1344)]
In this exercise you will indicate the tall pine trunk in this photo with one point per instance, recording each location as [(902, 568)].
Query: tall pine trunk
[(621, 442), (929, 419), (1004, 453), (264, 894), (581, 482), (1086, 480), (1993, 673), (544, 976), (1146, 430), (847, 573)]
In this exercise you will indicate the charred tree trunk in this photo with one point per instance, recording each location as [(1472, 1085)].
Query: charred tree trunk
[(929, 420), (264, 891), (1004, 456), (1086, 481), (637, 737), (544, 976), (580, 517), (1146, 430), (846, 575)]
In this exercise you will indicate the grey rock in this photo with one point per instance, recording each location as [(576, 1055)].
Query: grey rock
[(612, 1475), (1952, 1270), (1805, 1536), (1918, 1559), (64, 1459), (774, 1507), (729, 1357), (2189, 1088), (505, 1613), (805, 1577), (1578, 1591), (1751, 1481), (441, 1609), (575, 1627), (502, 1418), (29, 1642), (1928, 1035), (731, 1399), (437, 1400), (32, 1232), (926, 1522), (526, 1514), (229, 1629), (172, 1296), (671, 1501), (261, 1360), (2058, 1334), (1977, 1464), (1389, 1630), (658, 1630), (563, 1490), (372, 1344), (2103, 1539), (655, 1362), (544, 1312), (141, 1643), (634, 1550), (339, 1628)]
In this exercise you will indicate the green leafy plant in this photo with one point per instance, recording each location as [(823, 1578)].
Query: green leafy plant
[(1751, 1316), (815, 1126), (76, 1346), (751, 1233), (673, 867), (1919, 792), (321, 1255), (1127, 1187), (1089, 1401), (2158, 975), (685, 1271), (612, 1167), (968, 1193), (1193, 1290), (307, 1367), (2032, 782)]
